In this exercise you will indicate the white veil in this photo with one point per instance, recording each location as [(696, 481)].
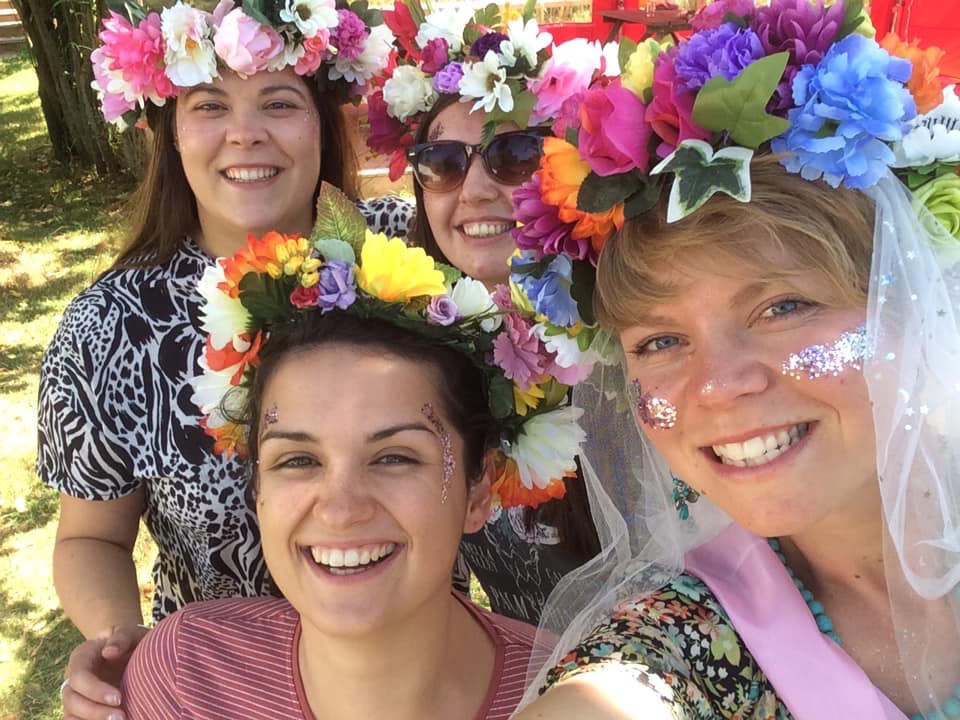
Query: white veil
[(913, 377)]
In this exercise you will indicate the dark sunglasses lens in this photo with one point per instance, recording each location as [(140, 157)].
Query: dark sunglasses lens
[(514, 157), (441, 166)]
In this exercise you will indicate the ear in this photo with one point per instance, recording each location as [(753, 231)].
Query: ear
[(480, 495)]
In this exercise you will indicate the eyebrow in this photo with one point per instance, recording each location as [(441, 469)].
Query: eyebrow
[(742, 295), (265, 90), (300, 436)]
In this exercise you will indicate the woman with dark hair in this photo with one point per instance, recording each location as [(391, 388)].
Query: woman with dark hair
[(360, 383), (469, 150), (246, 125)]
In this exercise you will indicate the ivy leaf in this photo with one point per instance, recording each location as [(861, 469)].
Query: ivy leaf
[(487, 17), (853, 17), (700, 172), (255, 10), (627, 48), (523, 102), (598, 193), (338, 218), (333, 249), (500, 395), (584, 277), (739, 107)]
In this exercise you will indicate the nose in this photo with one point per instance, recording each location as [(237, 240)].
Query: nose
[(478, 184), (342, 499), (728, 368), (245, 127)]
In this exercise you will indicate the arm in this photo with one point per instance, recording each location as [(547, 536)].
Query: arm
[(599, 695)]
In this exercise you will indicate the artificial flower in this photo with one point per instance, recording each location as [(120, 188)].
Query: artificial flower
[(714, 14), (721, 52), (371, 60), (245, 45), (224, 316), (473, 299), (856, 94), (924, 82), (190, 55), (509, 489), (394, 272), (542, 450), (526, 400), (305, 297), (541, 230), (408, 92), (613, 133), (229, 439), (350, 35), (565, 349), (524, 42), (447, 81), (337, 287), (517, 351), (435, 55), (550, 292), (935, 136), (447, 23), (804, 29), (441, 310), (487, 42), (310, 16), (313, 53), (638, 73), (403, 26), (568, 71), (487, 81), (941, 198), (386, 132)]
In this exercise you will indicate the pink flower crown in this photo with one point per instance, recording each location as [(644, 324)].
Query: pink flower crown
[(503, 68), (148, 57)]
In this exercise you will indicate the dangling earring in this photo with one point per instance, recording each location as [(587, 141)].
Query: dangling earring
[(683, 494)]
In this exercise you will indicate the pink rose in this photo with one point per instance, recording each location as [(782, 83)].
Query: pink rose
[(557, 84), (244, 45), (302, 297), (436, 54), (613, 133), (670, 112), (313, 52), (568, 116)]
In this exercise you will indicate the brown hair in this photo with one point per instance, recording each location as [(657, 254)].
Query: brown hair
[(821, 228), (163, 209)]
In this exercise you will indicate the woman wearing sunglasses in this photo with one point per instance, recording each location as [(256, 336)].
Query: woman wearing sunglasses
[(459, 106)]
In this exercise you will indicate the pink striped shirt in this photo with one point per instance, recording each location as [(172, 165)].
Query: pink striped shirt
[(237, 660)]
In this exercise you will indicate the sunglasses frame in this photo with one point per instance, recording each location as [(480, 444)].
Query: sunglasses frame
[(470, 150)]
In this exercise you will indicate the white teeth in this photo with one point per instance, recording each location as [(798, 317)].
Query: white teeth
[(250, 174), (355, 559), (482, 229), (761, 449)]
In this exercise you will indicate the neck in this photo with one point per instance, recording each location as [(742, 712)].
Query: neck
[(373, 676), (218, 240)]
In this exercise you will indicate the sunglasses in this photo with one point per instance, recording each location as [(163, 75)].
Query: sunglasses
[(510, 158)]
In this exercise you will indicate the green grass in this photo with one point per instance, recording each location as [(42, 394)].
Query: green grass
[(58, 230)]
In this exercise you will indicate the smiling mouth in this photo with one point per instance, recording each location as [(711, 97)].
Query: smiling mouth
[(482, 230), (351, 561), (249, 175), (761, 449)]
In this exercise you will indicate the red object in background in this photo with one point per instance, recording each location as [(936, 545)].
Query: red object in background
[(597, 29), (930, 22)]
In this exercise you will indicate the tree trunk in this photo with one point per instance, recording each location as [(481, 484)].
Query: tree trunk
[(61, 35)]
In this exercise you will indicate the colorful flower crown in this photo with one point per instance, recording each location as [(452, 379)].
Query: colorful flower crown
[(796, 77), (149, 57), (342, 267), (502, 67)]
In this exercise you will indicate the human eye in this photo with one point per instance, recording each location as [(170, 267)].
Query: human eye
[(653, 345), (292, 462), (208, 106), (281, 105), (785, 307), (395, 459)]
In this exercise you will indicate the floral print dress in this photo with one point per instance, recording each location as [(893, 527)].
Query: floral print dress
[(679, 642)]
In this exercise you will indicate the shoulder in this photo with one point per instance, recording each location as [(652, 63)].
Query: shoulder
[(388, 214)]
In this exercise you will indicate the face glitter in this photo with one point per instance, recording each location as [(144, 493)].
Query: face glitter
[(270, 416), (655, 412), (446, 449), (816, 361)]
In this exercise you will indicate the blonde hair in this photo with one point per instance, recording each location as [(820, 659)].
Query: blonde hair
[(821, 228)]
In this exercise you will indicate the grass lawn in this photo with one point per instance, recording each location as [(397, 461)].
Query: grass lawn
[(58, 229)]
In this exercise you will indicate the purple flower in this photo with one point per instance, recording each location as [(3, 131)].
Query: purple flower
[(337, 286), (447, 81), (436, 54), (713, 13), (442, 310), (723, 51), (490, 41), (804, 29), (349, 36), (849, 107), (543, 232)]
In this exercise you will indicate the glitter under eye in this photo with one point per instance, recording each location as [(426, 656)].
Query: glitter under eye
[(655, 412), (446, 449), (830, 359)]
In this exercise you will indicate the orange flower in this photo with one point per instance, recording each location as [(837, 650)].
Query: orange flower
[(266, 254), (228, 440), (924, 83), (512, 492), (563, 172), (228, 356)]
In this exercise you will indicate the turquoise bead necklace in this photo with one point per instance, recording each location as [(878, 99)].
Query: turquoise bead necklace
[(951, 707)]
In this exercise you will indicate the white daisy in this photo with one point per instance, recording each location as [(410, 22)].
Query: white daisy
[(547, 445), (310, 16), (222, 317), (487, 81), (449, 24), (524, 41)]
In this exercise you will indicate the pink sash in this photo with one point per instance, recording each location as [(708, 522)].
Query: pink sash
[(813, 676)]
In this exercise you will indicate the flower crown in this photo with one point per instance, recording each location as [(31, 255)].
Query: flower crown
[(798, 77), (342, 267), (148, 57), (502, 67)]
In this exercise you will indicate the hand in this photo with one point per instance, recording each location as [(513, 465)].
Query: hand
[(94, 672)]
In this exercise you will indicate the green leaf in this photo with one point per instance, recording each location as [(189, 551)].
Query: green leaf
[(267, 298), (132, 11), (700, 172), (739, 107), (572, 136), (523, 102), (338, 218), (489, 130), (627, 48), (254, 9), (598, 194), (488, 17), (739, 20), (853, 17), (529, 10), (644, 199), (417, 11), (581, 290), (554, 393), (450, 273), (500, 395), (333, 249)]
